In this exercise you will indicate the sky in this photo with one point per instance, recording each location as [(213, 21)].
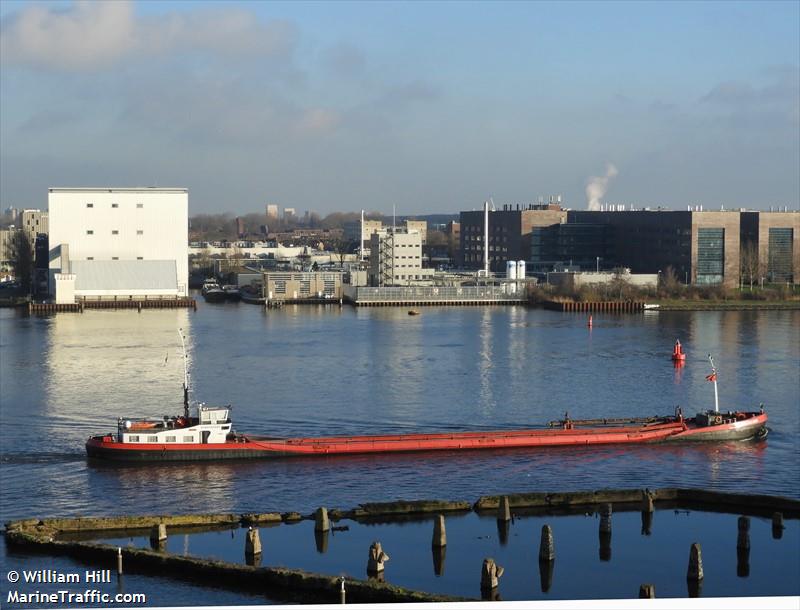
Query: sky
[(430, 107)]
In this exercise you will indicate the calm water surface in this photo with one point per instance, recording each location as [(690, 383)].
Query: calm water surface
[(316, 370)]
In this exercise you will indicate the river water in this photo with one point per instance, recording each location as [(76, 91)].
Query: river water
[(306, 371)]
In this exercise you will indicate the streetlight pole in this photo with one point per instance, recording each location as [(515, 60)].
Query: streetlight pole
[(598, 264)]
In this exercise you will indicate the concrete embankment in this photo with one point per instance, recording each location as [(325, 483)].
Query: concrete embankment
[(64, 536)]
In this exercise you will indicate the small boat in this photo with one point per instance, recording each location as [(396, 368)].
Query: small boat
[(205, 433), (413, 312), (251, 295), (232, 293), (212, 292)]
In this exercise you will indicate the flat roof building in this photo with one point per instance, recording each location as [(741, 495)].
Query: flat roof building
[(122, 241)]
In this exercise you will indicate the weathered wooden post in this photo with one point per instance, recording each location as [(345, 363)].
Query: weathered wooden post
[(321, 521), (119, 561), (605, 519), (647, 512), (439, 545), (252, 544), (547, 555), (490, 575), (605, 532), (743, 548), (504, 510), (647, 591), (439, 532), (694, 574), (777, 525), (377, 557), (158, 537), (547, 551)]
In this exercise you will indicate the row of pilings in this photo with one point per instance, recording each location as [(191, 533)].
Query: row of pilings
[(63, 537)]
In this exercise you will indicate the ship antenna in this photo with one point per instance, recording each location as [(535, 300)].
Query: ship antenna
[(185, 377), (713, 377)]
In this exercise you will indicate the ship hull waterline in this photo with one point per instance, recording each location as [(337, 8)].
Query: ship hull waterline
[(252, 447)]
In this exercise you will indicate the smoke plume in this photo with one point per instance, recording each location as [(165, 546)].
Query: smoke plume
[(597, 187)]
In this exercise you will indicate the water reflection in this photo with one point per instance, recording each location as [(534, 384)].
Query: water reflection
[(439, 554)]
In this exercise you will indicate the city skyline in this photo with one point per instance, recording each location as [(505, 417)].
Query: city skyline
[(430, 107)]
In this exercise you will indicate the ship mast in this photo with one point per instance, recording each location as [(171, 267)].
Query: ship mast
[(185, 377), (713, 377)]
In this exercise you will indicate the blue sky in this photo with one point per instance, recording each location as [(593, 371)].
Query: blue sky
[(432, 107)]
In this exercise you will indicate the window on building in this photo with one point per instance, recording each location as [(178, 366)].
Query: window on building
[(114, 232), (115, 258), (114, 205), (90, 258), (139, 205), (779, 261), (139, 232), (139, 258), (710, 256), (89, 232), (89, 205)]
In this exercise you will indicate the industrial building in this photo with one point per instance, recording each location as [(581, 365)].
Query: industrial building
[(396, 258), (509, 234), (305, 285), (701, 247), (118, 243)]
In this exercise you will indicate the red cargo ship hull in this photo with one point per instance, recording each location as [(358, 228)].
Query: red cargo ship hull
[(246, 447)]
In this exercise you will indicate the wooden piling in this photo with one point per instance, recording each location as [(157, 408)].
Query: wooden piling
[(119, 561), (695, 570), (377, 557), (777, 525), (605, 519), (321, 521), (490, 574), (439, 532), (504, 510), (158, 533), (743, 539), (252, 543), (647, 591), (547, 549)]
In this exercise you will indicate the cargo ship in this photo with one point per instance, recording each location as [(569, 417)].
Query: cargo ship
[(205, 433)]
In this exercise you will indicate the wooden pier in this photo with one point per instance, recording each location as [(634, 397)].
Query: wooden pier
[(596, 306), (138, 304)]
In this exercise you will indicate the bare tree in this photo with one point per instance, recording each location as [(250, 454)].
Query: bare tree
[(750, 266)]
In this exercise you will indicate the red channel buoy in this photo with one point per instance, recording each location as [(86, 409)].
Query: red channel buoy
[(677, 352)]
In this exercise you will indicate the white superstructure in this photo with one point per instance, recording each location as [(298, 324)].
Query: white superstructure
[(205, 425), (120, 224)]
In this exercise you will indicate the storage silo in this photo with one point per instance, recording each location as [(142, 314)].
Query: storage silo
[(520, 270), (511, 270)]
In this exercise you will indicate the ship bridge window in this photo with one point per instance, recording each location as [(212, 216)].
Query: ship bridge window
[(152, 439), (171, 439), (188, 439), (133, 438)]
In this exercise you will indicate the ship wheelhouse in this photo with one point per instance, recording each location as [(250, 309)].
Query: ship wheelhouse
[(205, 425)]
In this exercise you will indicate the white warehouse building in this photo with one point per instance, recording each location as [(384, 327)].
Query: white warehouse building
[(118, 243)]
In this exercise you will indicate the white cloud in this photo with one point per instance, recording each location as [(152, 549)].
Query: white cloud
[(89, 34), (96, 35)]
